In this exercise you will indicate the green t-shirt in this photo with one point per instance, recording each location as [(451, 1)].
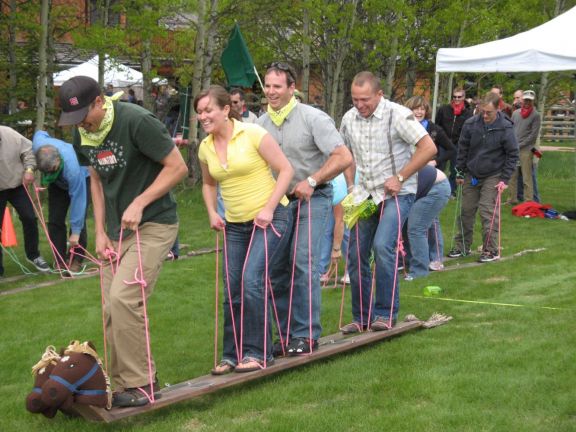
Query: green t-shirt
[(128, 161)]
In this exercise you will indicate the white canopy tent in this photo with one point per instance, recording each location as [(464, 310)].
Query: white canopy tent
[(117, 74), (548, 47)]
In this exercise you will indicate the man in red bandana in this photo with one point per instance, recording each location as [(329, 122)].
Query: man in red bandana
[(451, 117), (526, 128)]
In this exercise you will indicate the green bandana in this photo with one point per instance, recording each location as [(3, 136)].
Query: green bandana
[(94, 139), (279, 116), (50, 177)]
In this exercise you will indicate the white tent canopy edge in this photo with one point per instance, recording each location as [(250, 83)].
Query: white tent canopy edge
[(548, 47)]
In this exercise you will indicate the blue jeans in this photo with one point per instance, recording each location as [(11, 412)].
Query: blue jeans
[(246, 267), (381, 236), (306, 285), (326, 253), (422, 220)]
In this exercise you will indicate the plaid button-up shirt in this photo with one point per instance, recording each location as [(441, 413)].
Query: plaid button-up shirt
[(381, 144)]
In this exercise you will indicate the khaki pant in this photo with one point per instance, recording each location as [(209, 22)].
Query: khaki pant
[(526, 161), (480, 197), (123, 305)]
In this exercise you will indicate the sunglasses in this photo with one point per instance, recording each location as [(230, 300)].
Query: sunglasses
[(284, 68), (457, 97)]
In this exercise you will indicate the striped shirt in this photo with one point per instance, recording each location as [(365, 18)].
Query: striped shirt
[(381, 144)]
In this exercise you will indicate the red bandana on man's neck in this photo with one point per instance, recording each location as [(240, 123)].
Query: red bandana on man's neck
[(457, 107), (526, 111)]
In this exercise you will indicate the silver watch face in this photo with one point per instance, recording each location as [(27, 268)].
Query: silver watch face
[(311, 182)]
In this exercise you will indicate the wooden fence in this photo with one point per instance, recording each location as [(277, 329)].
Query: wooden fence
[(559, 123)]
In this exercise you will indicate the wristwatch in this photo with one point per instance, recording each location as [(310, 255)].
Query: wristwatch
[(400, 178), (312, 182)]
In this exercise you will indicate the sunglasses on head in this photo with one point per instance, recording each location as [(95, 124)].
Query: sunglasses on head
[(284, 68)]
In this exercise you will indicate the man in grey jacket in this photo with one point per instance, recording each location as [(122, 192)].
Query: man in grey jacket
[(526, 128)]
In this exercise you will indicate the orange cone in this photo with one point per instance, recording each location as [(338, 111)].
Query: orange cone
[(8, 233)]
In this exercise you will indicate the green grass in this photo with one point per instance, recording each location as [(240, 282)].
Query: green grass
[(492, 368)]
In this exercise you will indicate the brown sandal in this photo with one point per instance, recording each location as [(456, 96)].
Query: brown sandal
[(250, 364), (223, 368)]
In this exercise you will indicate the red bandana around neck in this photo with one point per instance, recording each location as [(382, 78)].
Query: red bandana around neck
[(526, 111), (457, 107)]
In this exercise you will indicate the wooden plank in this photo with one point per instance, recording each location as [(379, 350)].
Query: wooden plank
[(203, 385)]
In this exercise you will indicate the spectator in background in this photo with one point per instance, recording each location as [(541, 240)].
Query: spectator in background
[(526, 128), (445, 149), (109, 89), (263, 107), (451, 118), (517, 103), (132, 96), (502, 106), (68, 188), (17, 165), (239, 106)]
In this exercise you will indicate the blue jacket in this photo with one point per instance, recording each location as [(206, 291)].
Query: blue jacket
[(72, 178), (488, 150)]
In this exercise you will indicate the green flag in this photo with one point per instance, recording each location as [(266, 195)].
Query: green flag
[(236, 61)]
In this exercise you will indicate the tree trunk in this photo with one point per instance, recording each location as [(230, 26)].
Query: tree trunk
[(391, 67), (199, 47), (13, 103), (305, 55), (41, 89), (209, 44), (146, 62)]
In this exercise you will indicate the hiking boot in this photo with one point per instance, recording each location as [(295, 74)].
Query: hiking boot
[(135, 397), (488, 257), (302, 346), (457, 253), (381, 324), (40, 264)]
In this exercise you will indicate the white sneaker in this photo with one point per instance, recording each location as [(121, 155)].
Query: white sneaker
[(436, 266), (40, 264), (345, 279)]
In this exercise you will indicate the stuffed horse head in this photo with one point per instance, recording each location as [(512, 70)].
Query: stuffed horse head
[(78, 377), (41, 372)]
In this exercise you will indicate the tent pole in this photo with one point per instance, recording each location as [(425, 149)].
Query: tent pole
[(259, 80), (435, 97)]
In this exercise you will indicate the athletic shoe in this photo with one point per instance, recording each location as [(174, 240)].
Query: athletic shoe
[(436, 266), (325, 277), (488, 257), (40, 264), (408, 278), (457, 253), (302, 346), (353, 327), (345, 279)]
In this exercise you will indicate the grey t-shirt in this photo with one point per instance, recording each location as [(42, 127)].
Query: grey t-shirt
[(307, 137)]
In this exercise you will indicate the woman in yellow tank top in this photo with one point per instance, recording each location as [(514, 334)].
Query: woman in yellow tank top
[(241, 158)]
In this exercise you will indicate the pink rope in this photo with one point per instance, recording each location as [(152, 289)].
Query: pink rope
[(216, 300), (226, 269), (497, 210), (435, 223), (310, 344), (37, 207), (399, 250), (139, 279), (276, 316), (343, 290), (293, 272)]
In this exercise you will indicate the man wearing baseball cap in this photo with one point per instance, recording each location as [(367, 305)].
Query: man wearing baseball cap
[(526, 128), (133, 165)]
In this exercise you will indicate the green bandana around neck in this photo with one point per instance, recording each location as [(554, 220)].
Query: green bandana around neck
[(50, 177), (279, 116), (94, 139)]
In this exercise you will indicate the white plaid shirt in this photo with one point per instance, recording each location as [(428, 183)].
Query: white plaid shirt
[(381, 144)]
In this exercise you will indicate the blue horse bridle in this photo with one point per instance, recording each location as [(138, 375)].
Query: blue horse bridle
[(74, 387)]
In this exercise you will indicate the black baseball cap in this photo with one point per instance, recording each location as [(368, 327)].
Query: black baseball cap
[(76, 95)]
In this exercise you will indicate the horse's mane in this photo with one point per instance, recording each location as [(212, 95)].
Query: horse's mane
[(50, 356)]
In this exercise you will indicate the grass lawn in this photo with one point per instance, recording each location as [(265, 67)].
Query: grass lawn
[(492, 368)]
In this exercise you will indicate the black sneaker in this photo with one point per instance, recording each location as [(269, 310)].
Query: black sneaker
[(278, 351), (135, 397), (488, 257), (301, 346), (457, 253), (40, 264)]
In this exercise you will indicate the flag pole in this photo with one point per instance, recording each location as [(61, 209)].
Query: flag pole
[(259, 80)]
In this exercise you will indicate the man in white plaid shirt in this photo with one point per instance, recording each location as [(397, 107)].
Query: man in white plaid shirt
[(389, 147)]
